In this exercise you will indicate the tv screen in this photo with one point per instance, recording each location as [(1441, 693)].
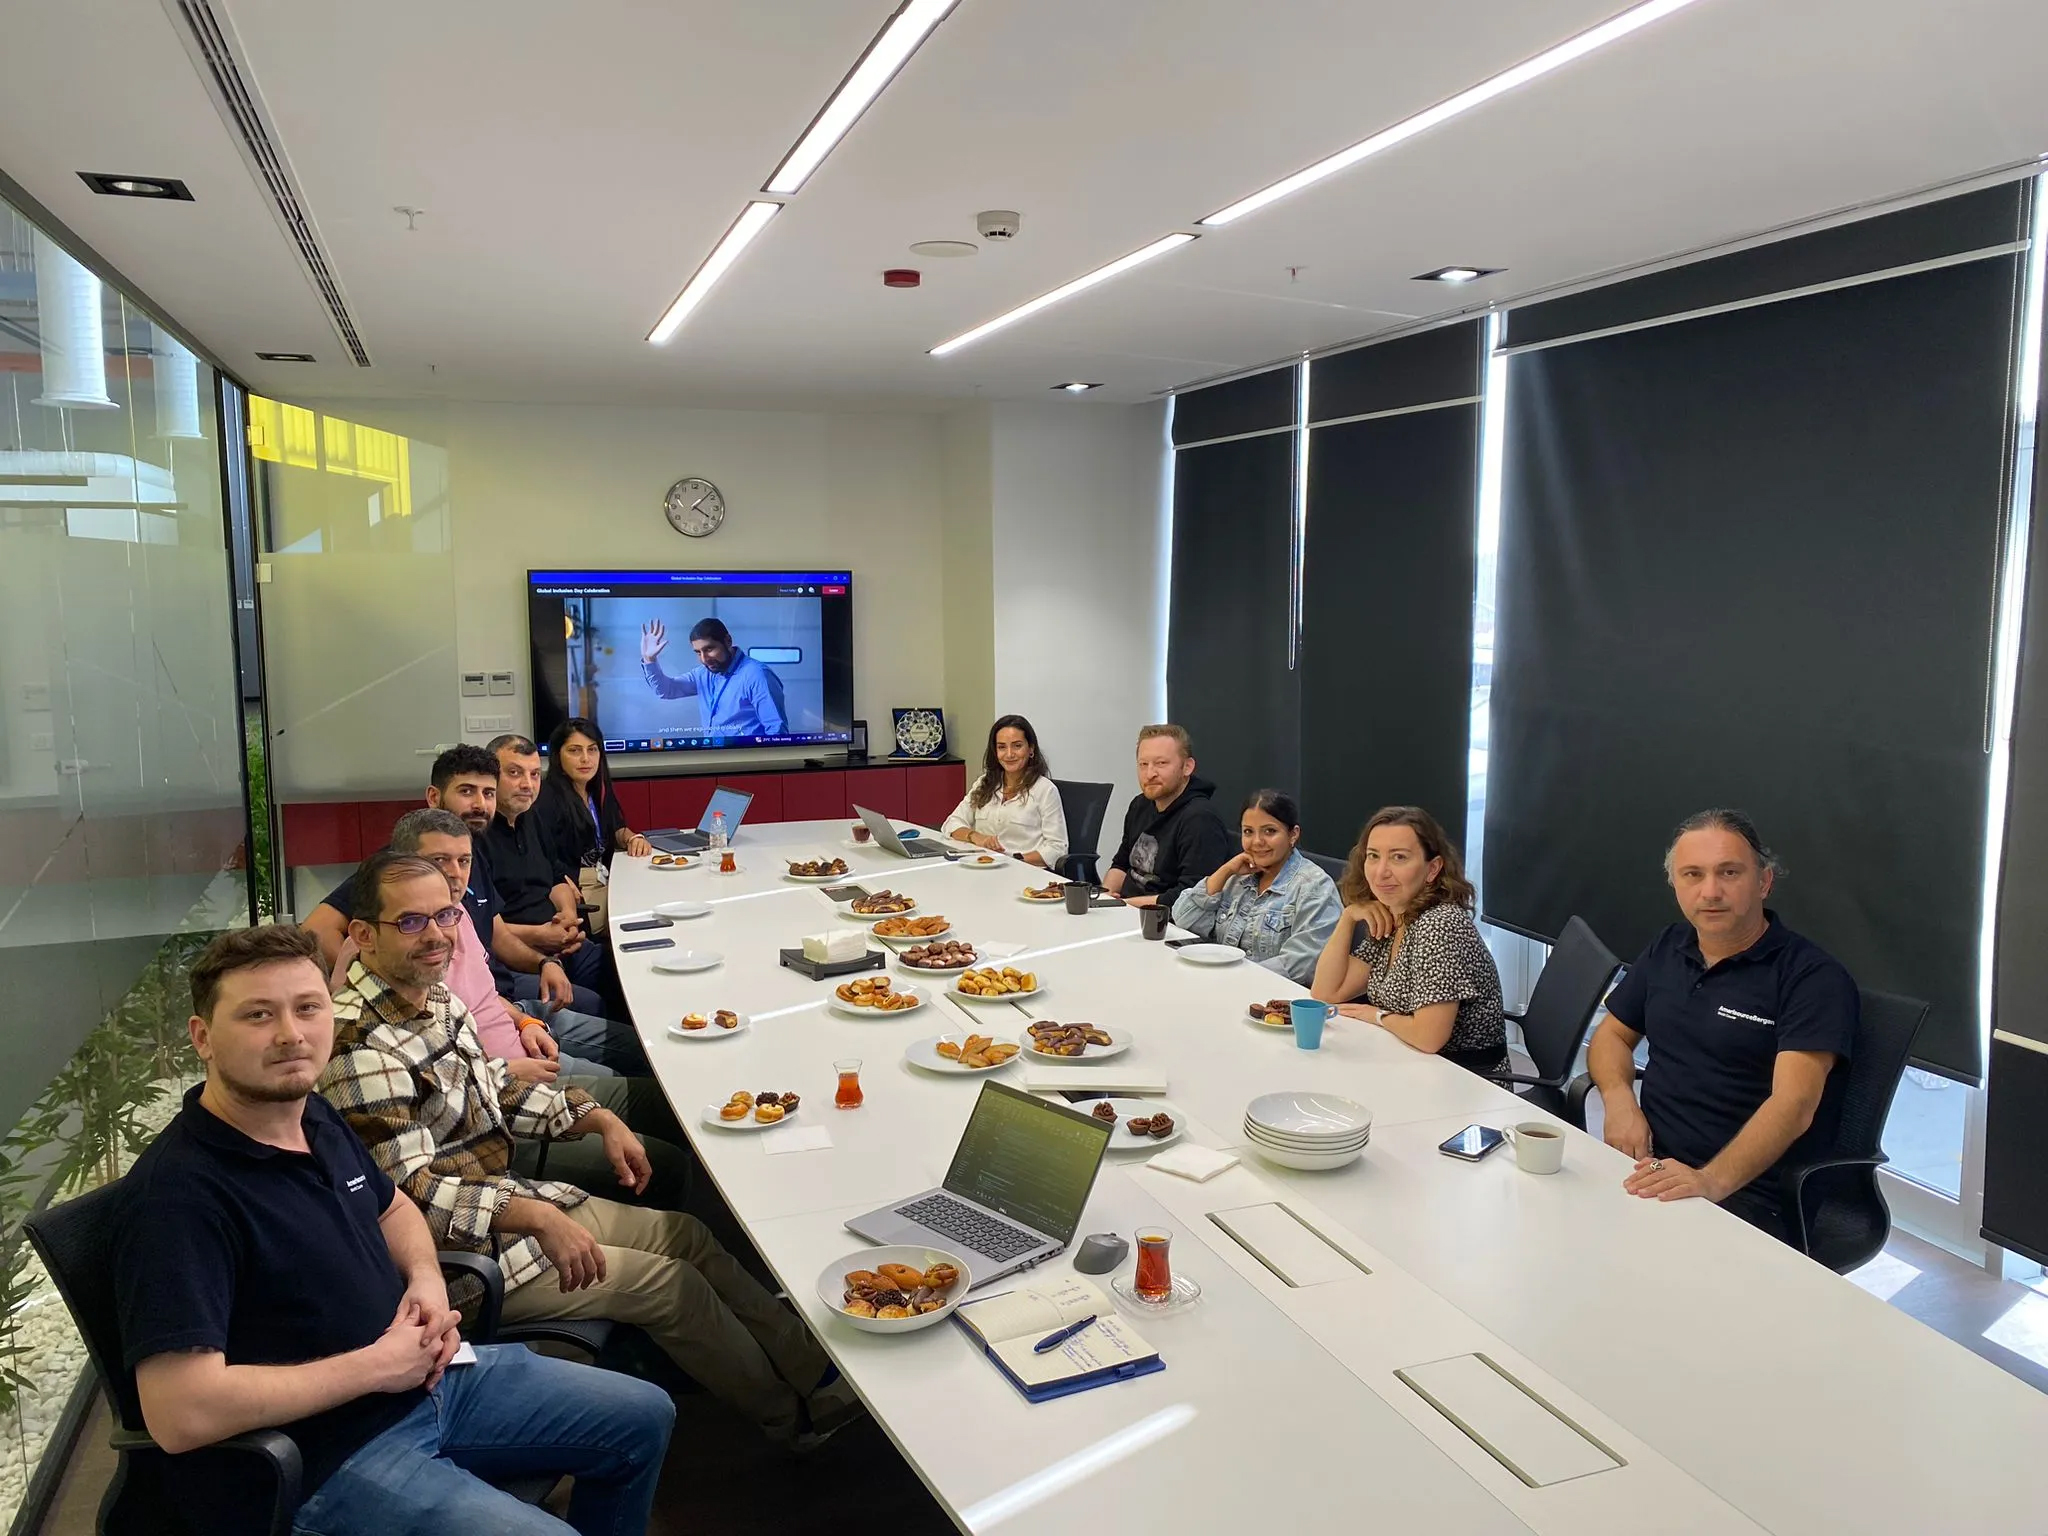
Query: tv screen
[(681, 661)]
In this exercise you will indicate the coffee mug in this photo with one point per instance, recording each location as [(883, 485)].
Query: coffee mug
[(1077, 895), (1308, 1017), (1539, 1148), (1152, 921)]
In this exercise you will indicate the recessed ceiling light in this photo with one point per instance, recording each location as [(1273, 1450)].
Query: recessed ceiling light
[(723, 255), (162, 188), (1080, 284), (1610, 31), (887, 54), (287, 357), (945, 248), (1456, 274), (1077, 387)]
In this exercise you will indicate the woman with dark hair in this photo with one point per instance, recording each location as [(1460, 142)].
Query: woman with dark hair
[(1014, 807), (1428, 979), (578, 810), (1270, 901)]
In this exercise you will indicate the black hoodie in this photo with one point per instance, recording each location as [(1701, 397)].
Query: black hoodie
[(1165, 852)]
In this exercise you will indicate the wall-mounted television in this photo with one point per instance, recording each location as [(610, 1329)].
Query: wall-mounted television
[(687, 661)]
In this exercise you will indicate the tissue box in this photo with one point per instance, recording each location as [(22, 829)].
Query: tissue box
[(840, 944)]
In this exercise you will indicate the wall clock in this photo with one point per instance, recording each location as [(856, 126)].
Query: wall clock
[(694, 506)]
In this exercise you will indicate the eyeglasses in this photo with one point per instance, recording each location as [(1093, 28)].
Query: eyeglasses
[(416, 922)]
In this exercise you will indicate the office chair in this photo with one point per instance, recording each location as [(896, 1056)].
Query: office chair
[(1085, 806), (1334, 868), (1560, 1012)]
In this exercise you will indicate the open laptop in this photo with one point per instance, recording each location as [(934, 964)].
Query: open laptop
[(910, 847), (733, 802), (1014, 1194)]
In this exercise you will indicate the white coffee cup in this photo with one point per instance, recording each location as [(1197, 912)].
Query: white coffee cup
[(1539, 1148)]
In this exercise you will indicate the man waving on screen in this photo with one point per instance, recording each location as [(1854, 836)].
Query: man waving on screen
[(738, 695)]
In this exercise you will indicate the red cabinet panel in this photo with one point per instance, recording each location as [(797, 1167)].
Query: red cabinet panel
[(323, 832), (879, 789), (934, 789), (633, 800), (376, 818), (766, 788), (818, 795), (677, 802)]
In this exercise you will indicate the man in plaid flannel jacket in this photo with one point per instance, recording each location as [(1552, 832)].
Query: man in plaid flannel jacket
[(441, 1119)]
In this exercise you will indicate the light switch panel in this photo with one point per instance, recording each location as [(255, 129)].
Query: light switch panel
[(501, 682), (473, 685)]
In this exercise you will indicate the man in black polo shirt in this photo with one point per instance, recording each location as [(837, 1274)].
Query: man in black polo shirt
[(269, 1275), (535, 883), (1747, 1024)]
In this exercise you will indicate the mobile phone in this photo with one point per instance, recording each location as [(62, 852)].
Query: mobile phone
[(645, 923), (846, 892), (1472, 1143), (649, 944)]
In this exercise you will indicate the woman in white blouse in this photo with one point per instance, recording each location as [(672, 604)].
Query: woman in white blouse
[(1014, 807)]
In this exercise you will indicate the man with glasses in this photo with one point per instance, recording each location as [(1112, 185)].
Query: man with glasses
[(443, 1120)]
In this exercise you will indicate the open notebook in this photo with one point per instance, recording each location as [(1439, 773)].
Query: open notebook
[(1007, 1325)]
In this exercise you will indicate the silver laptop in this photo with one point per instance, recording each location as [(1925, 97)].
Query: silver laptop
[(1014, 1194), (910, 847), (733, 802)]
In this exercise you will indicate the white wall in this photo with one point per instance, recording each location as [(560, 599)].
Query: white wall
[(1079, 504)]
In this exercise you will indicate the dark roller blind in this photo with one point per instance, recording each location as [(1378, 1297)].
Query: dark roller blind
[(1749, 559), (1430, 366), (1227, 678), (1257, 404), (1386, 654)]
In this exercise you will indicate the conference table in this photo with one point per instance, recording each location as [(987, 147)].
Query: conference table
[(1722, 1381)]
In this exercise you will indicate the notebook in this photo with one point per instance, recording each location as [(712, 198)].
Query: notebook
[(1008, 1325)]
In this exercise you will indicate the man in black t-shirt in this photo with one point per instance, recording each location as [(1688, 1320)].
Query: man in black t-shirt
[(1750, 1027), (1173, 837), (268, 1275), (535, 881)]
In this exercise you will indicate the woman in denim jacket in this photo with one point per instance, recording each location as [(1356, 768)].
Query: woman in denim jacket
[(1270, 901)]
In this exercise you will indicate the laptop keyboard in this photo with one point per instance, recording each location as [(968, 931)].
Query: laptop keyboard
[(964, 1224)]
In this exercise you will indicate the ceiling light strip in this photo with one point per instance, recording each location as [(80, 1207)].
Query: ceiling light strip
[(1080, 284), (1610, 31), (887, 54), (724, 254)]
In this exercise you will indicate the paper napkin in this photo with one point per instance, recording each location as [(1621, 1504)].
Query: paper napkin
[(1192, 1162), (806, 1138)]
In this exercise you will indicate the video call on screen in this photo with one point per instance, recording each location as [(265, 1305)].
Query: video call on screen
[(788, 675), (1033, 1166)]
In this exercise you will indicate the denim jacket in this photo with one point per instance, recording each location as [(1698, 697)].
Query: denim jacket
[(1284, 930)]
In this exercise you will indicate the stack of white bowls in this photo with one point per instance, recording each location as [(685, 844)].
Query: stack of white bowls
[(1307, 1130)]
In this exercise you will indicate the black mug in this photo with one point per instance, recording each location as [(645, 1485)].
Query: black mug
[(1152, 921), (1077, 894)]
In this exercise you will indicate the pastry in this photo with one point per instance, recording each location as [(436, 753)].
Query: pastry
[(901, 1275), (1140, 1126), (725, 1018), (789, 1103), (856, 1307), (862, 1280), (1104, 1110), (950, 1049), (882, 903), (898, 1290), (694, 1021), (770, 1097), (734, 1111), (896, 1311), (767, 1114), (1162, 1126), (941, 1276), (744, 1099)]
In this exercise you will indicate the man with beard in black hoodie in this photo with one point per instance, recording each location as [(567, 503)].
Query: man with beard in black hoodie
[(1173, 837)]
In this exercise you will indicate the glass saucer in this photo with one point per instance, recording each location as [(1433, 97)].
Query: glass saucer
[(1186, 1293)]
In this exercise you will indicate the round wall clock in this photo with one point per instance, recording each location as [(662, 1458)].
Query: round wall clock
[(694, 506)]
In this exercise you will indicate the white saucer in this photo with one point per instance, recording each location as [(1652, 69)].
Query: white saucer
[(682, 861), (682, 962), (1186, 1293), (682, 909), (711, 1031), (1210, 954), (983, 860)]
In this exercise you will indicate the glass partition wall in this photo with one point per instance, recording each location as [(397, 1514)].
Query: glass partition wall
[(123, 815)]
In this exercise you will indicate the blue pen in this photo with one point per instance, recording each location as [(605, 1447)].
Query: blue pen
[(1055, 1340)]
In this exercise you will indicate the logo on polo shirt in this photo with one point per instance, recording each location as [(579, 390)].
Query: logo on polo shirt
[(358, 1182), (1747, 1018)]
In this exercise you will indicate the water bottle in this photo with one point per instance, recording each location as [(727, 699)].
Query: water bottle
[(721, 850)]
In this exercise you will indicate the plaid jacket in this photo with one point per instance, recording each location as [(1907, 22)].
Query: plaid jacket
[(440, 1117)]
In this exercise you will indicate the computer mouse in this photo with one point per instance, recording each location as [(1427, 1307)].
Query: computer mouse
[(1100, 1252)]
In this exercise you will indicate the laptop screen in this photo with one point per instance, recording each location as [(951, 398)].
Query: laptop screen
[(733, 802), (1033, 1161)]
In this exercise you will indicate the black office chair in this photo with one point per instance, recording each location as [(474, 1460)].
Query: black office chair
[(1560, 1012), (253, 1478), (1085, 806), (1835, 1213), (1334, 868)]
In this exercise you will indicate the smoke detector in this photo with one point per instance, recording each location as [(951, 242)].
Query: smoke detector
[(998, 223)]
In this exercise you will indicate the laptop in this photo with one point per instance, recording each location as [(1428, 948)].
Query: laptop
[(733, 802), (1014, 1194), (910, 847)]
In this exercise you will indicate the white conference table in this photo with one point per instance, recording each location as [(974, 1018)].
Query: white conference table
[(1741, 1386)]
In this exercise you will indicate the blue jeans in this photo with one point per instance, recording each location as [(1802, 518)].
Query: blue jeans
[(512, 1414), (524, 987), (615, 1047)]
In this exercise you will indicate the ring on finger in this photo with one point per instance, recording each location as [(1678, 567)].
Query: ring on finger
[(1656, 1165)]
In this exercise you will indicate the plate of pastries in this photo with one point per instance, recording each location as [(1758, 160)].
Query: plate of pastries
[(940, 955), (867, 996), (981, 860), (1272, 1013), (746, 1111), (669, 861), (819, 870), (894, 1290), (961, 1053), (1053, 1041), (1057, 891), (883, 903), (710, 1024), (911, 927), (1141, 1124), (996, 984)]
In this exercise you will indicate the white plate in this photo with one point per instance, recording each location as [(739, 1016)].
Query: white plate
[(1308, 1114), (1124, 1139), (841, 1006), (936, 970), (1312, 1162), (709, 1116), (682, 909), (832, 1286), (1284, 1027), (682, 861), (1299, 1144), (816, 879), (681, 962), (982, 860), (875, 917), (713, 1032), (1043, 901), (958, 996), (1210, 954), (910, 940), (924, 1053), (1119, 1042)]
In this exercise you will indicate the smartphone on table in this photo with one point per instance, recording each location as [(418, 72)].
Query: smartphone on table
[(1471, 1144)]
